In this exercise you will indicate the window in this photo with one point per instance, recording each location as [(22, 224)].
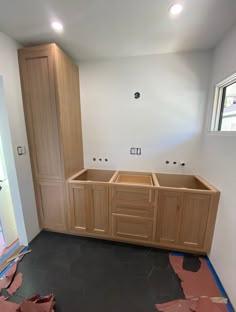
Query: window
[(224, 110)]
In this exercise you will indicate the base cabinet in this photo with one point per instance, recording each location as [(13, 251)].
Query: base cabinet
[(51, 197), (182, 219), (177, 219), (89, 208)]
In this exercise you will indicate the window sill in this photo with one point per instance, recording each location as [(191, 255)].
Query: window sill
[(222, 133)]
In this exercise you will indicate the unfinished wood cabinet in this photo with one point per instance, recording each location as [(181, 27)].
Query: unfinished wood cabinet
[(99, 210), (79, 207), (195, 211), (185, 218), (132, 228), (89, 210), (169, 217), (50, 88)]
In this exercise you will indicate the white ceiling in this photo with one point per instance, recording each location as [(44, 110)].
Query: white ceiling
[(96, 29)]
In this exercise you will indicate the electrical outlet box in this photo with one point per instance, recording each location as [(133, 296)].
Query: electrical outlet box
[(135, 151)]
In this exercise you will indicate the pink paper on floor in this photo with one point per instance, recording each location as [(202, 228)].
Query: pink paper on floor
[(17, 282), (6, 306), (195, 284), (6, 280), (174, 306), (199, 305)]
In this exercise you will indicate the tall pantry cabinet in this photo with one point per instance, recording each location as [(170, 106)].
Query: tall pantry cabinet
[(51, 97)]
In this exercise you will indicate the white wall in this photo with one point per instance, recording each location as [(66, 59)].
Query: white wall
[(218, 165), (19, 170), (165, 122)]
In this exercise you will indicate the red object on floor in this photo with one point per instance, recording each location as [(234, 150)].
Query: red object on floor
[(195, 284), (37, 304), (17, 282), (34, 304), (199, 305)]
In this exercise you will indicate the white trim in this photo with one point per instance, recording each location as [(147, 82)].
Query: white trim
[(216, 109)]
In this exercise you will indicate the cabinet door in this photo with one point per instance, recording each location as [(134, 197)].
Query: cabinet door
[(51, 201), (194, 220), (169, 215), (38, 89), (99, 212), (129, 227), (79, 207)]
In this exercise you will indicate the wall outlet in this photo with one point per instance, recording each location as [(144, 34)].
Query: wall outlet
[(135, 151)]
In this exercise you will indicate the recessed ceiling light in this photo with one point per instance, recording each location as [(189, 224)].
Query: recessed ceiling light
[(176, 9), (57, 26)]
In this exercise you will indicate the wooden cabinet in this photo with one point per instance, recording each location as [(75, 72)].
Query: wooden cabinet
[(50, 88), (134, 228), (169, 217), (183, 219), (132, 212), (51, 202), (89, 208), (99, 209), (195, 211)]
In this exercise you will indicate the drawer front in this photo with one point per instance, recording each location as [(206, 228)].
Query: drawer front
[(126, 208), (132, 227), (139, 195)]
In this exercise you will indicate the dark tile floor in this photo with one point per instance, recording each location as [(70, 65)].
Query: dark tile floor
[(89, 275)]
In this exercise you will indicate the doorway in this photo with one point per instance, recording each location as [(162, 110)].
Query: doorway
[(8, 229)]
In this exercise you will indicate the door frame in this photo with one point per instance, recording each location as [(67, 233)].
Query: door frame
[(11, 166)]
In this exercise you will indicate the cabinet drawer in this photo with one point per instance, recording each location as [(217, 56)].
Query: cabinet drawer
[(126, 208), (139, 195), (132, 227)]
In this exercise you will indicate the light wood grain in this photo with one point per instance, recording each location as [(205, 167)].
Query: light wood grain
[(51, 201), (194, 219), (40, 111), (169, 217), (99, 220), (68, 99), (132, 227)]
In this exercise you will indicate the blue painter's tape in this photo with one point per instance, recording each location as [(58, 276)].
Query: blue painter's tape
[(4, 257), (220, 286), (11, 264)]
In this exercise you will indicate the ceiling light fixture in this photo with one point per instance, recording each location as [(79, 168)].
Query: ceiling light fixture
[(176, 9), (57, 26)]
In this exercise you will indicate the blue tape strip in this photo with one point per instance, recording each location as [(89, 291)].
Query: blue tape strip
[(216, 278), (219, 284), (11, 264), (4, 257)]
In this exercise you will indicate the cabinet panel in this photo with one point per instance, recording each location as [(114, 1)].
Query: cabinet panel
[(137, 210), (132, 227), (99, 222), (52, 199), (41, 113), (144, 196), (169, 215), (79, 207), (194, 219)]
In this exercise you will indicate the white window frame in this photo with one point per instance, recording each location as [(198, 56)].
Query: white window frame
[(216, 110)]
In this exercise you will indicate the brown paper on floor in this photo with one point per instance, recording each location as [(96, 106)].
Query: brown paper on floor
[(33, 304), (5, 281), (17, 282), (195, 284), (199, 305)]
